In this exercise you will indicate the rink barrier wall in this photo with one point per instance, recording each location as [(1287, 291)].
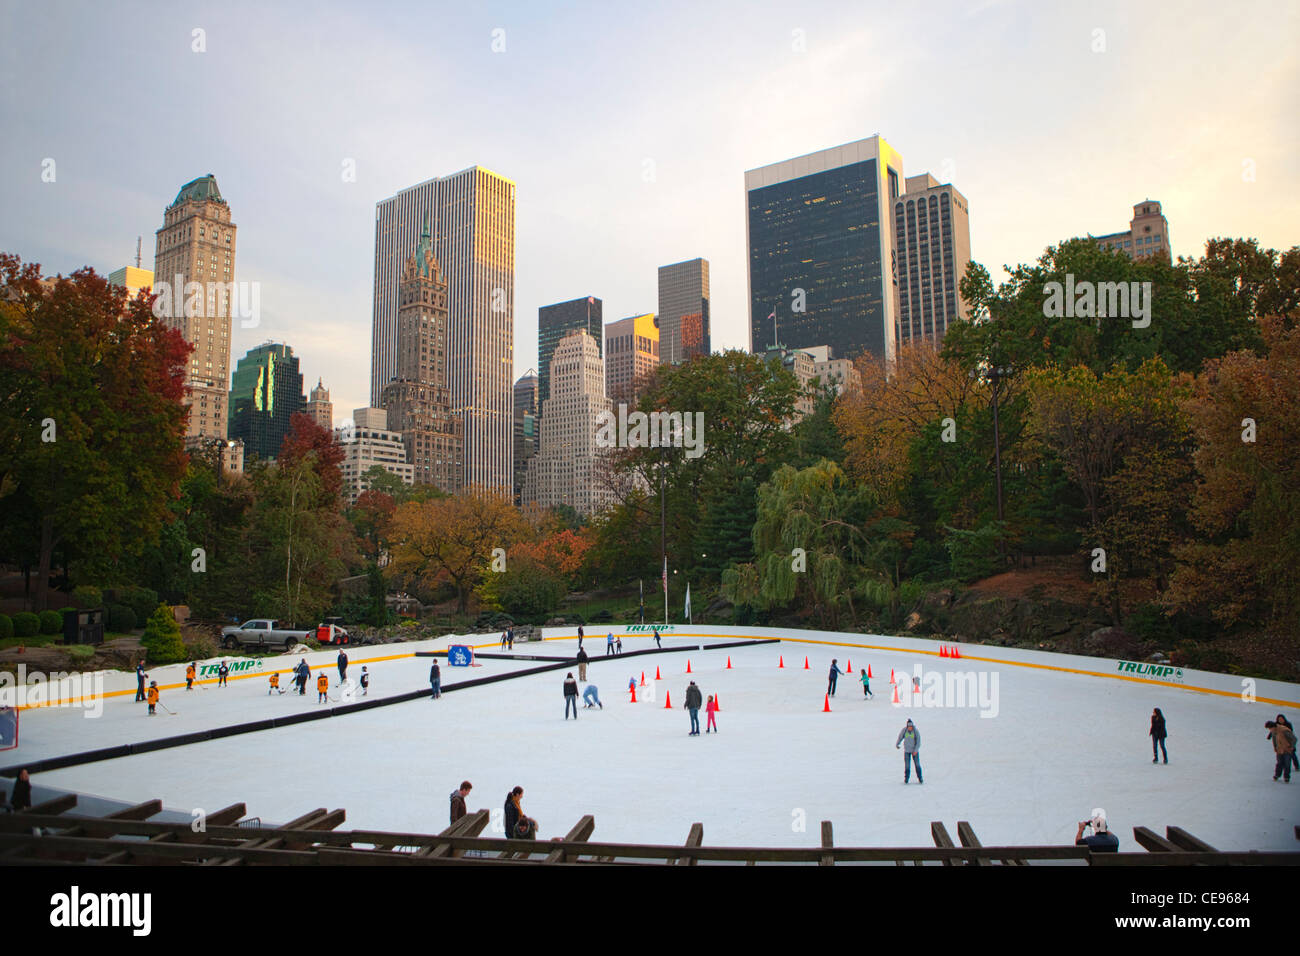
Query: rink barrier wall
[(270, 723)]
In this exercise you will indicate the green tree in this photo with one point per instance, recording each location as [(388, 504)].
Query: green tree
[(162, 637)]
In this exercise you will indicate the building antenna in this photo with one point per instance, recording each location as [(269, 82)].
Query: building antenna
[(138, 240)]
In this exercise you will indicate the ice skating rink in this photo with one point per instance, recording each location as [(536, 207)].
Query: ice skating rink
[(1068, 735)]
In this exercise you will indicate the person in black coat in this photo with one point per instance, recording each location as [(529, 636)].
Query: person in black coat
[(570, 696), (1158, 734), (582, 664), (518, 826), (304, 672), (22, 798), (343, 666), (435, 680), (139, 681)]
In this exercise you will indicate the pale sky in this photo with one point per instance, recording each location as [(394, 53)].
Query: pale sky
[(1191, 103)]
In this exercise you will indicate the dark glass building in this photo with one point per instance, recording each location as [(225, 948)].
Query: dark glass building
[(553, 322), (266, 391), (822, 224)]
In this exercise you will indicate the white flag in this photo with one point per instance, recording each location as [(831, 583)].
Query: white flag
[(688, 604)]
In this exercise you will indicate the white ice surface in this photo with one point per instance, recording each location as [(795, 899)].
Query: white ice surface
[(1061, 744)]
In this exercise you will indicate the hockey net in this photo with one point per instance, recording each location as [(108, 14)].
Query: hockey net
[(8, 728)]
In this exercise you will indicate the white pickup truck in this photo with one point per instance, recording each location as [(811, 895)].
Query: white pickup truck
[(262, 632)]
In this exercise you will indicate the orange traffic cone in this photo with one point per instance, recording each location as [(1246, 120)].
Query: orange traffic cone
[(850, 670), (826, 707), (657, 677), (805, 663), (688, 665), (955, 651), (643, 678), (896, 700), (891, 676), (728, 667), (868, 672), (634, 693), (943, 650), (716, 705), (782, 661), (668, 700)]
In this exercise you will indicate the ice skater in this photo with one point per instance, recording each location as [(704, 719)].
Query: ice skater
[(1283, 747), (1158, 733), (152, 697), (365, 682), (222, 673), (322, 688), (909, 738), (435, 681), (579, 637), (140, 676), (866, 685), (343, 666), (503, 640), (570, 696), (1295, 760), (609, 643), (301, 675), (834, 676), (275, 684), (189, 676), (658, 644), (591, 696), (618, 646), (510, 638), (693, 701), (582, 664), (710, 710)]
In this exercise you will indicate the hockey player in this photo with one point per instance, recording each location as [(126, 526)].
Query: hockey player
[(222, 672), (365, 682), (152, 696), (275, 684), (140, 676), (322, 688), (189, 676)]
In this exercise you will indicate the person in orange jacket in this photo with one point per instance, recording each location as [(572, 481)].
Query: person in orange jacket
[(323, 686), (275, 683), (152, 697), (189, 677)]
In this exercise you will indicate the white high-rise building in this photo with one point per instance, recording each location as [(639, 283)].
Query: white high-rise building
[(568, 468), (367, 442), (472, 216)]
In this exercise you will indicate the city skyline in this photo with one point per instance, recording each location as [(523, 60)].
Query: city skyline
[(788, 82)]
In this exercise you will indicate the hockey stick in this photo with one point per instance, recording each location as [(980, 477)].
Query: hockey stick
[(166, 708)]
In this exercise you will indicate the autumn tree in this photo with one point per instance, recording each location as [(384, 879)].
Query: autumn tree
[(91, 419), (453, 538)]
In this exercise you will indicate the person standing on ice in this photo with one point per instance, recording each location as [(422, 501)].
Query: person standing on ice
[(657, 643), (510, 638), (1295, 760), (503, 640), (834, 676), (222, 673), (275, 684), (152, 697), (322, 688), (435, 681), (582, 664), (304, 672), (189, 675), (591, 696), (909, 738), (1101, 840), (866, 685), (694, 699), (570, 696), (1284, 741), (343, 666), (710, 710), (609, 643), (1158, 733), (365, 682), (140, 675)]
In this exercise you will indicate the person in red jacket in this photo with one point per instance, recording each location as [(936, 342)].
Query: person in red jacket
[(711, 709)]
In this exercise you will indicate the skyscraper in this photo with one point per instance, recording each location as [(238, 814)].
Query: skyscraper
[(319, 406), (1148, 233), (525, 428), (820, 240), (418, 399), (556, 321), (683, 311), (568, 468), (265, 393), (197, 244), (472, 221), (932, 236), (631, 354)]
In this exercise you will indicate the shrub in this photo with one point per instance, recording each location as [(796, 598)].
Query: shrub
[(162, 637), (408, 622), (86, 597), (141, 601), (121, 618), (200, 646), (26, 624), (6, 627), (51, 622)]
